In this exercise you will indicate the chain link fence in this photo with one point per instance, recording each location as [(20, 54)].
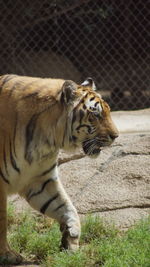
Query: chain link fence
[(74, 39)]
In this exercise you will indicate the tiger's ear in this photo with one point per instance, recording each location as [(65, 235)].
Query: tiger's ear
[(68, 93), (89, 83)]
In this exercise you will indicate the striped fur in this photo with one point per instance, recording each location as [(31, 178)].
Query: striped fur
[(37, 118)]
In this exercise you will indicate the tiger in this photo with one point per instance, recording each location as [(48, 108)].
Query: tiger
[(39, 117)]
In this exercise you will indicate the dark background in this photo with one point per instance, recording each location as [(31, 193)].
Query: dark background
[(71, 39)]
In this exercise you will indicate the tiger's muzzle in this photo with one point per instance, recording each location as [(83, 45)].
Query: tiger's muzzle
[(92, 147)]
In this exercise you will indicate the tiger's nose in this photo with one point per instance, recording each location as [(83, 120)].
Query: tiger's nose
[(114, 136)]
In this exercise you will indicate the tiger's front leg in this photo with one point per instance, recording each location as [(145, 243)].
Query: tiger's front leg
[(7, 255), (48, 197)]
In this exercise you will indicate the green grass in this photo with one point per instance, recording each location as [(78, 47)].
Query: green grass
[(37, 238)]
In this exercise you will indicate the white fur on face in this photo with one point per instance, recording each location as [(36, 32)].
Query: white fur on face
[(91, 105)]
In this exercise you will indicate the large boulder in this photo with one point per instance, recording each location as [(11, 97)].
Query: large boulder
[(116, 185)]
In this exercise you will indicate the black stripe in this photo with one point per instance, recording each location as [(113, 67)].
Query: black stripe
[(96, 104), (47, 203), (81, 115), (30, 128), (13, 162), (92, 98), (4, 178), (41, 190), (7, 78), (5, 161), (74, 117), (64, 135), (38, 89), (73, 138), (47, 171), (14, 137), (16, 84), (59, 207), (30, 95)]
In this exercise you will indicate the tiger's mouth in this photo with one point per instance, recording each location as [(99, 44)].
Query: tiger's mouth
[(91, 148)]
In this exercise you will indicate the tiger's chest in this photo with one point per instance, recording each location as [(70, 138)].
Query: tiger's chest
[(21, 172)]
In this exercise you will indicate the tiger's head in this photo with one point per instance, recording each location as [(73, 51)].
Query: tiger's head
[(91, 126)]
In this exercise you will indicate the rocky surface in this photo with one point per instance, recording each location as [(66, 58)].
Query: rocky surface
[(116, 185)]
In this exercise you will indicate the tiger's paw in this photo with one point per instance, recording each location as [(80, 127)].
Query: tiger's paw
[(70, 239), (10, 257)]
